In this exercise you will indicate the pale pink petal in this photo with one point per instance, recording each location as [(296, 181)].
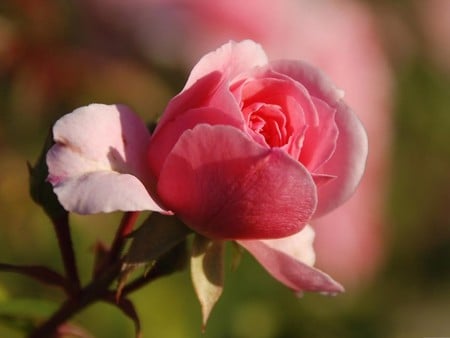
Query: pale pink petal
[(253, 192), (289, 260), (230, 59), (98, 161), (298, 246), (104, 191), (355, 231)]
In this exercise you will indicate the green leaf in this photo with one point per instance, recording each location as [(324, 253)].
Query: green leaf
[(157, 235), (207, 273), (172, 261), (41, 190)]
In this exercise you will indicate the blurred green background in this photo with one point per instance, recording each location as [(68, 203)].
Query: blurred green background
[(55, 56)]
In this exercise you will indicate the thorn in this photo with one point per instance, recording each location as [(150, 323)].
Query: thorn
[(127, 269)]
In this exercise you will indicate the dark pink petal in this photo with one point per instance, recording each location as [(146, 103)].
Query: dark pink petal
[(226, 186), (230, 59), (167, 136), (98, 162), (197, 96), (207, 101), (290, 259)]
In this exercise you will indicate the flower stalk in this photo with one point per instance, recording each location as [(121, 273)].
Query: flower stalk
[(62, 230)]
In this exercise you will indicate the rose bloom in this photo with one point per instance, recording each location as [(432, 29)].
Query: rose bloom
[(250, 151), (341, 37)]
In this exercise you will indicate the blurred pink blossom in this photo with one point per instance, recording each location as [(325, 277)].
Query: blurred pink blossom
[(434, 17), (338, 36)]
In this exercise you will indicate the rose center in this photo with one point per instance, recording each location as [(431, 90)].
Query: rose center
[(268, 121)]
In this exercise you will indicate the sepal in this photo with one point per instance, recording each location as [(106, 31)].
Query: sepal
[(207, 273), (40, 189)]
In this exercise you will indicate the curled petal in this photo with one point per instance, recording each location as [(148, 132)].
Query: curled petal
[(347, 163), (289, 261), (225, 186), (104, 191), (298, 246), (320, 141), (196, 96), (231, 59), (349, 159), (98, 161), (316, 82), (167, 136)]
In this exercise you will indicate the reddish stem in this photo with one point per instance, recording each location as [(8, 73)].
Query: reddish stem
[(125, 228), (99, 286), (61, 226), (90, 294)]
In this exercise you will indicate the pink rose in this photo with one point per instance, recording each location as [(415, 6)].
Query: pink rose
[(177, 32), (253, 149), (250, 151)]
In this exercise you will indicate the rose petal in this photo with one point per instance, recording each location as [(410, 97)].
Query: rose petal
[(230, 59), (104, 191), (111, 135), (347, 163), (320, 141), (288, 260), (349, 159), (196, 96), (267, 85), (98, 161), (163, 141), (188, 109), (298, 246), (226, 186), (316, 82)]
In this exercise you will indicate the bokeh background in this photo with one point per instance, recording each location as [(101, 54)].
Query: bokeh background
[(389, 245)]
